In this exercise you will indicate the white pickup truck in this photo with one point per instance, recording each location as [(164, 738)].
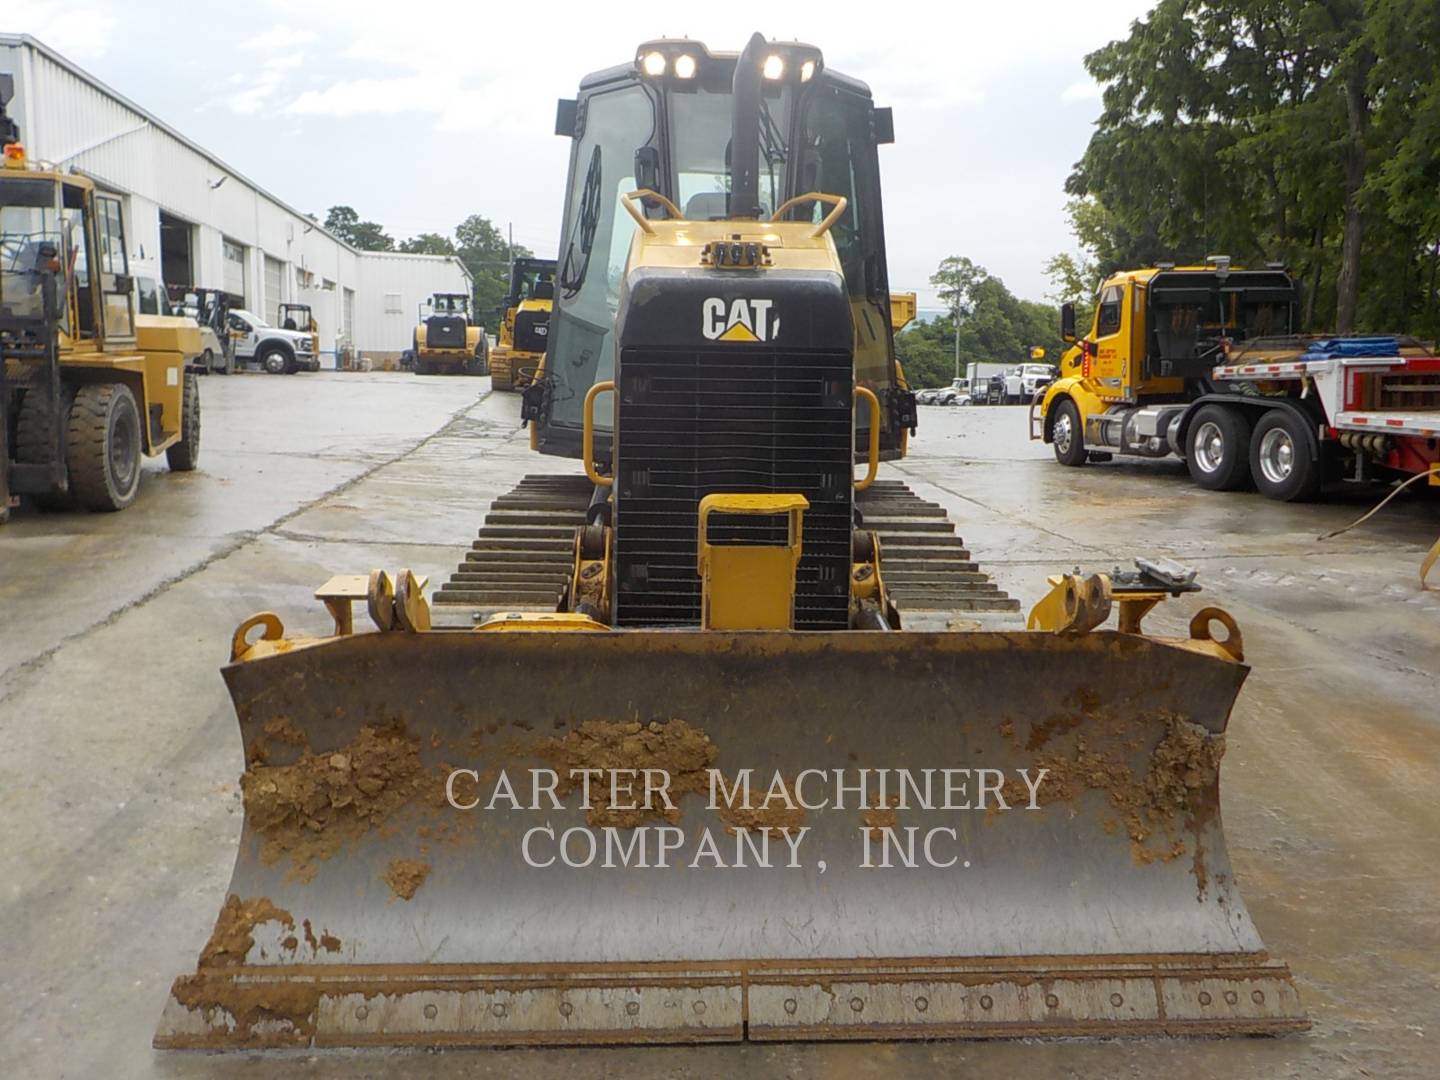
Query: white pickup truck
[(277, 351), (1023, 381)]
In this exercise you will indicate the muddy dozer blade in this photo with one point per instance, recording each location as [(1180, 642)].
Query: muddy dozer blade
[(366, 910)]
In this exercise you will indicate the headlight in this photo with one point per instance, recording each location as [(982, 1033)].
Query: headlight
[(653, 63), (774, 67), (807, 71), (685, 66)]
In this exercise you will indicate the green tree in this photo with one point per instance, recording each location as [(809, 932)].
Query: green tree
[(1074, 280), (345, 223), (486, 254), (995, 327), (955, 281), (428, 244), (1297, 130)]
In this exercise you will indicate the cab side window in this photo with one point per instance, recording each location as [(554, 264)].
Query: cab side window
[(239, 325), (1109, 316)]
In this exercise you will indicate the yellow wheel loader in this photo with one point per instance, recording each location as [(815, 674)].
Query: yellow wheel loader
[(690, 750), (87, 387), (447, 339), (524, 324)]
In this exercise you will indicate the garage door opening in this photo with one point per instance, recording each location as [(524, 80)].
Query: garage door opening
[(177, 251)]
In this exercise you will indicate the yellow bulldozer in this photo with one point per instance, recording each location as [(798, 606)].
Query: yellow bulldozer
[(700, 745), (524, 324), (87, 387), (447, 339)]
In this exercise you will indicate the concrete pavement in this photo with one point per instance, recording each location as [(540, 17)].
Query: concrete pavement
[(121, 812)]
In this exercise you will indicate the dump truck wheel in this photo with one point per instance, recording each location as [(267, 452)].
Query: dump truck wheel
[(1280, 460), (1218, 445), (1067, 436), (184, 455), (102, 446), (32, 438)]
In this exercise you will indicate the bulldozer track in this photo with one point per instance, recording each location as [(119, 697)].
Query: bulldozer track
[(521, 558)]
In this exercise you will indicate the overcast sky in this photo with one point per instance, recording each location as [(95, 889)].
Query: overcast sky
[(420, 113)]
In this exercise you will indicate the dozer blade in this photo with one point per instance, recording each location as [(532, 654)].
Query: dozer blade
[(366, 910)]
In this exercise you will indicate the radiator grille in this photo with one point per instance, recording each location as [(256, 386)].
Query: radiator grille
[(693, 423), (531, 331)]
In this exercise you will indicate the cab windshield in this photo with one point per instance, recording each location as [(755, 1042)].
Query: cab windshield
[(29, 220), (690, 130)]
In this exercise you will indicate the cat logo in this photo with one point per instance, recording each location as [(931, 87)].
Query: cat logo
[(740, 320)]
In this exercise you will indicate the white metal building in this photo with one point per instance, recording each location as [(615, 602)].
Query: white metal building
[(192, 220)]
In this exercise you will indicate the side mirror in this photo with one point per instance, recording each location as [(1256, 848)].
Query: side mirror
[(1067, 323), (647, 172), (567, 113)]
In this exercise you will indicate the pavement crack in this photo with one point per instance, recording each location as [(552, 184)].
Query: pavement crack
[(10, 676)]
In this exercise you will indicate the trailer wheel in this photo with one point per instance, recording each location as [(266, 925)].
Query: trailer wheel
[(33, 427), (102, 446), (1067, 436), (1280, 458), (1218, 446), (184, 455)]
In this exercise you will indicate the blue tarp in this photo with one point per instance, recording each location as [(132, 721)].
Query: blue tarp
[(1331, 348)]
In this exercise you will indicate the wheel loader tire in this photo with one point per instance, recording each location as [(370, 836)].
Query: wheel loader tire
[(102, 446), (1280, 460), (32, 438), (1067, 436), (1218, 448), (478, 364), (184, 455)]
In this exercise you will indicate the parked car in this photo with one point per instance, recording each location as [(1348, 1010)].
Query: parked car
[(952, 396), (926, 397)]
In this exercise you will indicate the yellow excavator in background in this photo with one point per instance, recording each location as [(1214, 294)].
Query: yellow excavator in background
[(720, 598), (87, 387), (524, 324)]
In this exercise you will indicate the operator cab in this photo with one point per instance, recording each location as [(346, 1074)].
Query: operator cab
[(448, 305), (667, 123)]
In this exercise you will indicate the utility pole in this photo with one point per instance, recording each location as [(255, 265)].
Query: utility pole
[(957, 340)]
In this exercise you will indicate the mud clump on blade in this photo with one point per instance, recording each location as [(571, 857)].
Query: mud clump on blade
[(309, 809), (683, 752), (405, 876), (278, 729), (254, 1014), (1177, 789), (776, 813), (234, 932)]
